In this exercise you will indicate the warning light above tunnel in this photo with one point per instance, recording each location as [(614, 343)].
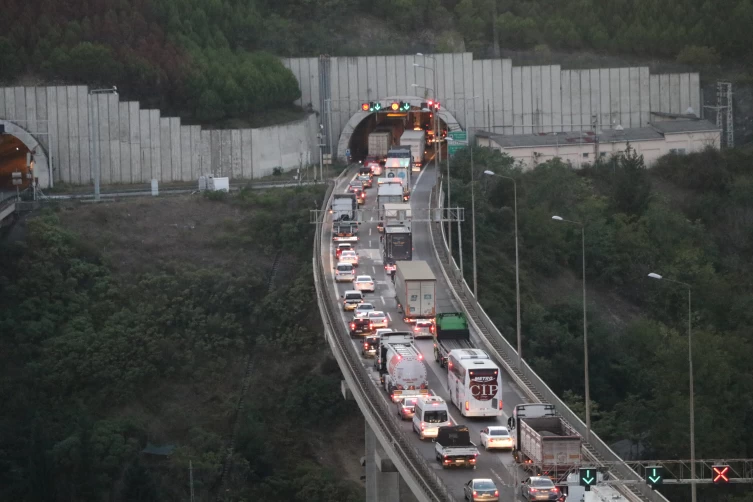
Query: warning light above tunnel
[(404, 106), (395, 106), (365, 107)]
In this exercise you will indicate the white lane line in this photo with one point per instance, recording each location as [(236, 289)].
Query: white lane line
[(373, 269), (448, 404), (369, 231), (383, 302), (419, 178), (499, 478)]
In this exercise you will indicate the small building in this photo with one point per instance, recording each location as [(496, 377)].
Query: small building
[(682, 134)]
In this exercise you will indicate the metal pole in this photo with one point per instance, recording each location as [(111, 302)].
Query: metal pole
[(96, 156), (473, 229), (585, 337), (449, 182), (329, 128), (321, 162), (517, 276), (460, 240), (692, 406)]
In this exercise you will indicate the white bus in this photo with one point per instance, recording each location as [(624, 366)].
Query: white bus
[(474, 383)]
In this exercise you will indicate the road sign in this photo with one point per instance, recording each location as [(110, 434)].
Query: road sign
[(458, 135), (587, 477), (720, 474), (327, 159), (347, 152), (654, 475), (454, 146)]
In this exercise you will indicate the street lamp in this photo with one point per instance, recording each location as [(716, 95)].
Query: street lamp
[(95, 156), (517, 262), (653, 275), (585, 325)]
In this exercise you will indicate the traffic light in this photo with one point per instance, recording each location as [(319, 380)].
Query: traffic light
[(720, 474), (436, 105), (404, 106), (587, 477), (654, 475), (365, 107), (395, 106), (424, 104), (430, 104), (373, 106)]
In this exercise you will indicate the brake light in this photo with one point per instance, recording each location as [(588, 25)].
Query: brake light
[(431, 329), (420, 357), (475, 493), (533, 490), (423, 425), (365, 345), (467, 406), (371, 325), (352, 325), (500, 405), (496, 493)]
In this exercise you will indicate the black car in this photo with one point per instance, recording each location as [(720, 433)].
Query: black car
[(359, 325), (370, 344)]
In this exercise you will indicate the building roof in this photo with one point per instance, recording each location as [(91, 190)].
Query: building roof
[(655, 132)]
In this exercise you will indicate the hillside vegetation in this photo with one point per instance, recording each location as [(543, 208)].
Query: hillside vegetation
[(688, 219), (128, 324), (209, 61)]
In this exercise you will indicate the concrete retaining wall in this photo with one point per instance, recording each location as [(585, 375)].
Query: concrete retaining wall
[(511, 99), (137, 145)]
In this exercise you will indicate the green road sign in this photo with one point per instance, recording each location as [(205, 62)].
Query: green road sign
[(654, 475), (458, 135), (587, 477), (453, 147)]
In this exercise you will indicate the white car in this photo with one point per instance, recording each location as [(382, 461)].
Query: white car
[(363, 310), (423, 327), (497, 436), (378, 319), (382, 331), (349, 257), (344, 272), (364, 283)]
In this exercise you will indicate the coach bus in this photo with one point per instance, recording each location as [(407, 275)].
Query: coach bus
[(475, 383)]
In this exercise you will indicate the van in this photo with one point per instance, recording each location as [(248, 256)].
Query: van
[(344, 272), (352, 299), (431, 413)]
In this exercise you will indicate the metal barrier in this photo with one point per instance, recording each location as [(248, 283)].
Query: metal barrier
[(411, 465), (534, 387)]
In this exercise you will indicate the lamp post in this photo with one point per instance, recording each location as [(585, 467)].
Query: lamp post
[(585, 324), (693, 492), (517, 261), (95, 130)]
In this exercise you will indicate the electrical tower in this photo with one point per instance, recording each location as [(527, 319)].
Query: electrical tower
[(724, 113)]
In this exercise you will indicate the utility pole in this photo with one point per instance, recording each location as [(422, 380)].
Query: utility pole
[(190, 478)]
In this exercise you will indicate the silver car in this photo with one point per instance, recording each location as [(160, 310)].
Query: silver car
[(344, 272), (481, 489), (378, 319), (363, 310), (406, 407), (423, 328)]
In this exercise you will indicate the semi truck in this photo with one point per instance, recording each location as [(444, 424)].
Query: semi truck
[(453, 447), (389, 193), (379, 143), (405, 371), (415, 290), (451, 333), (545, 444), (343, 207), (394, 215), (392, 338), (398, 245), (416, 140)]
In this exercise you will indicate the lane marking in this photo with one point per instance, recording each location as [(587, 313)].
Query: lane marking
[(383, 302), (389, 316), (369, 230)]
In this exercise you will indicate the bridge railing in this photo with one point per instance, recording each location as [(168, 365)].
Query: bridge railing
[(411, 465), (534, 387)]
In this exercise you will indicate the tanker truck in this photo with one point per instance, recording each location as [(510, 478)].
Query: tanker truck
[(405, 372)]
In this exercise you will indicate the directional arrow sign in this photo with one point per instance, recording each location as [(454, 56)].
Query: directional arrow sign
[(587, 477), (654, 475)]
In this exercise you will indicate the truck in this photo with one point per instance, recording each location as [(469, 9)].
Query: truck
[(379, 143), (343, 207), (389, 193), (393, 337), (545, 444), (415, 290), (405, 372), (394, 215), (453, 447), (398, 245), (451, 332), (416, 140), (345, 231)]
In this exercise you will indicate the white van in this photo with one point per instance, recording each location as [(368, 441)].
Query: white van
[(344, 272), (431, 413)]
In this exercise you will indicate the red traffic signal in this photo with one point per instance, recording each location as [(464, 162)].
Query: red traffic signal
[(365, 107), (430, 103), (720, 474), (436, 105)]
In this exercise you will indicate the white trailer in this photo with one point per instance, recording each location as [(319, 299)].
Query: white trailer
[(405, 373), (394, 215), (416, 140), (380, 143), (415, 290), (391, 193)]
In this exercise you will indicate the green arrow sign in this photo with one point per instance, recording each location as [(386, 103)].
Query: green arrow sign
[(654, 475), (587, 477)]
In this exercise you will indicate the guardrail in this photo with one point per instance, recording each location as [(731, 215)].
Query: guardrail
[(411, 465), (534, 387)]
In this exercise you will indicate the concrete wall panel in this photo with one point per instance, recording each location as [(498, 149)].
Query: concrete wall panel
[(496, 96), (391, 75), (537, 119), (575, 98), (458, 102), (195, 152), (165, 146), (614, 98), (674, 93), (645, 96), (567, 111), (517, 104), (654, 83), (3, 114), (74, 136), (546, 98), (313, 82), (528, 107), (400, 77), (295, 67), (102, 123), (372, 82), (82, 130), (471, 105), (487, 79), (52, 124), (236, 153), (354, 92), (695, 93), (363, 82), (507, 97), (214, 152), (134, 113), (585, 100), (625, 97), (635, 96), (176, 161), (382, 89), (10, 103), (478, 90), (113, 115), (154, 145), (64, 157), (684, 92), (125, 142), (30, 113), (605, 118), (206, 152), (246, 154), (42, 116), (145, 175), (226, 145), (19, 114), (593, 77), (185, 155)]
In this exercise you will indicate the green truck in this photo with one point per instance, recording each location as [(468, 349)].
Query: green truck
[(452, 332)]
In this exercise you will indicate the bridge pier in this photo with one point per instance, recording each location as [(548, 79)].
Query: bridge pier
[(382, 479)]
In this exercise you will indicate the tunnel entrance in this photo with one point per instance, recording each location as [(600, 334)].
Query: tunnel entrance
[(15, 172), (355, 134)]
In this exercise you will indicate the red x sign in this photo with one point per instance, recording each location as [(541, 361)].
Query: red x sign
[(720, 473)]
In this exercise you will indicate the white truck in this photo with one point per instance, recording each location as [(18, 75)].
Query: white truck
[(379, 143), (416, 140), (405, 373), (394, 215), (393, 337), (545, 444), (415, 290), (391, 193), (453, 447)]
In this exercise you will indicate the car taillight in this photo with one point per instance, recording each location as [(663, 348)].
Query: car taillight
[(365, 345), (533, 490), (467, 406), (475, 493), (500, 405), (431, 328), (420, 357), (371, 325), (555, 489), (423, 425), (352, 325), (496, 493)]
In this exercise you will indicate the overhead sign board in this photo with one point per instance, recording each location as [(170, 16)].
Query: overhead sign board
[(458, 135)]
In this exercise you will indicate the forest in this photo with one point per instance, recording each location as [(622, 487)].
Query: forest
[(688, 219), (210, 61), (109, 345)]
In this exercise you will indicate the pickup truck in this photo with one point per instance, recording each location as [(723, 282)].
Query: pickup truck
[(453, 447), (359, 325)]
